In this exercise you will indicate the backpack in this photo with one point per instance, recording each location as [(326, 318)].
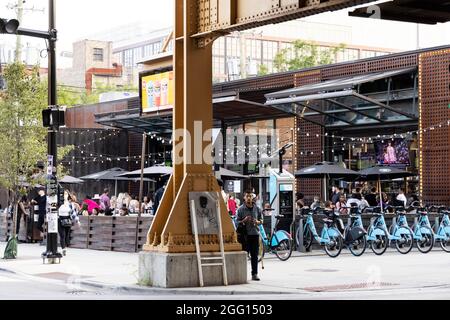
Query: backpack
[(355, 234)]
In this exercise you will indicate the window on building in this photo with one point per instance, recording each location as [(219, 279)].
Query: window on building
[(98, 54)]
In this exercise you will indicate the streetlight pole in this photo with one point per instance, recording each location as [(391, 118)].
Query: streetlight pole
[(53, 118), (52, 238)]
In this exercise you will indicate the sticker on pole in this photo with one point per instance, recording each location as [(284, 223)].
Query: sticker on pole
[(204, 212), (49, 165), (52, 222)]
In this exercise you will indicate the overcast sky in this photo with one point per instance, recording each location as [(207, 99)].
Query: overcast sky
[(79, 18)]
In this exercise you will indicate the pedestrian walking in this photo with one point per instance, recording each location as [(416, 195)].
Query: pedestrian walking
[(65, 222), (249, 216), (105, 203)]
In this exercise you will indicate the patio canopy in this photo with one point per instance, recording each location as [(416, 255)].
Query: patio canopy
[(226, 174), (70, 180), (326, 170), (110, 174), (341, 103), (154, 171)]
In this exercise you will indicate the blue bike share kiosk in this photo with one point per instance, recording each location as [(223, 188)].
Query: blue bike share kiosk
[(281, 188)]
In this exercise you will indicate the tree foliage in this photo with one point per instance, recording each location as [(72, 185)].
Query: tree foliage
[(303, 54), (24, 139), (70, 97)]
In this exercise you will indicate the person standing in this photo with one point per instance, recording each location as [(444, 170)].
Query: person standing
[(41, 202), (21, 212), (250, 216), (336, 195), (105, 203), (232, 207), (158, 196)]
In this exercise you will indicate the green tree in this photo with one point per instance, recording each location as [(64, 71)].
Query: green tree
[(21, 131), (303, 54), (69, 96), (263, 70)]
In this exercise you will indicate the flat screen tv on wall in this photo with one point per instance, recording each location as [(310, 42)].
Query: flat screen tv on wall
[(392, 152)]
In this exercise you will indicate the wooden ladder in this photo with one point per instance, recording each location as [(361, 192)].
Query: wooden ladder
[(200, 259)]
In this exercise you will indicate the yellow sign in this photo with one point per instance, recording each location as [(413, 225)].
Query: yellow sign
[(157, 91)]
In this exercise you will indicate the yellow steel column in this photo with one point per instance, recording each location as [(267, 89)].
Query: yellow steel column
[(171, 229)]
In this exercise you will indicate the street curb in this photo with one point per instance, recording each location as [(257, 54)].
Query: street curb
[(171, 291), (151, 290)]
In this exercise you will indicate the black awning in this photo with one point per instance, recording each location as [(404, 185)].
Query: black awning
[(416, 11), (131, 120), (231, 110), (341, 105)]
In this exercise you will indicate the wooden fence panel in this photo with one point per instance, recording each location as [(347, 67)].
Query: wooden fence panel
[(100, 233), (143, 227), (79, 234), (124, 234)]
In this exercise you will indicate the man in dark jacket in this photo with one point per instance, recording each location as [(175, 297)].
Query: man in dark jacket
[(41, 202), (250, 216)]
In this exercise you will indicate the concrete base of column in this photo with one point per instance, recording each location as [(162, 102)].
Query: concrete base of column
[(180, 270)]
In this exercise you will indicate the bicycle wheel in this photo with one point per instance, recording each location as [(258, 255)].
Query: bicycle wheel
[(426, 243), (406, 241), (307, 239), (284, 249), (334, 247), (445, 244), (358, 247), (380, 244)]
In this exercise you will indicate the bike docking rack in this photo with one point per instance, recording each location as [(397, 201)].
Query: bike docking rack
[(298, 232), (396, 227)]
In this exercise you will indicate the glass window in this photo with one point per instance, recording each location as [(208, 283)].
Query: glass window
[(128, 58), (98, 54)]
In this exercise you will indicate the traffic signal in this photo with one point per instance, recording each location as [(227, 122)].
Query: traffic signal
[(9, 26), (53, 118)]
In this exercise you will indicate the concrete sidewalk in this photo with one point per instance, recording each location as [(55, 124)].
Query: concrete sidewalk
[(302, 274)]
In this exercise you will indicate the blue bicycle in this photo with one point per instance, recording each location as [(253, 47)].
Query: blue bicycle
[(280, 242), (377, 234), (442, 235), (423, 233), (400, 233), (331, 238), (355, 234)]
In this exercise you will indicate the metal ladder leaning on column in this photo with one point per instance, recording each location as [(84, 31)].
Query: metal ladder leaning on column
[(200, 259)]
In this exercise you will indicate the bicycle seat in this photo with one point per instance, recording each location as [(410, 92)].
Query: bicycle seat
[(422, 212), (327, 221)]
